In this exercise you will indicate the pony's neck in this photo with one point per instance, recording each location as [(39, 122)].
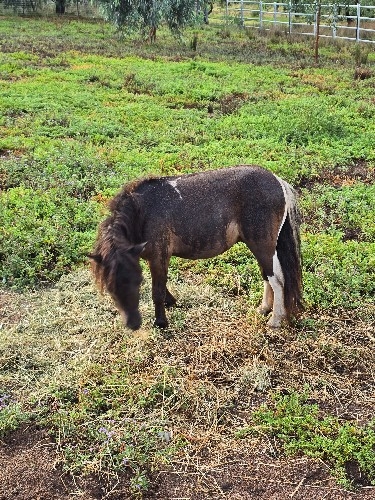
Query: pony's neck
[(126, 221)]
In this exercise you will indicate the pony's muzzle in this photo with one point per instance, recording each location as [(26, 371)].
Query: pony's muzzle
[(134, 321)]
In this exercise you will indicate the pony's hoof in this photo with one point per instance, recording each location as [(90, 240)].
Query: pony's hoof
[(274, 323), (170, 303), (161, 323), (263, 310)]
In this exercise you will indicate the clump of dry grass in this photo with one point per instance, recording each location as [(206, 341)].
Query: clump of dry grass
[(54, 333)]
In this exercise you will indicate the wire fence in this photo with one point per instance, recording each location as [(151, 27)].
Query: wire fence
[(350, 22), (77, 8)]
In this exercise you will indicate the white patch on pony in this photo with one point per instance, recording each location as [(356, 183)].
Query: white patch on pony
[(277, 283), (286, 203), (232, 233), (174, 185)]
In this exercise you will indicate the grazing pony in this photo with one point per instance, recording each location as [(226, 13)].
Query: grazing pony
[(198, 216)]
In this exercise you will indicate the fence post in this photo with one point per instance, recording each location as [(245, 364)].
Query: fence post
[(290, 16), (334, 21), (241, 14), (274, 13), (260, 14), (318, 11), (315, 19), (357, 31)]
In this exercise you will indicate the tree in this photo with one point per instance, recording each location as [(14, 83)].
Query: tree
[(317, 9), (60, 6), (147, 15)]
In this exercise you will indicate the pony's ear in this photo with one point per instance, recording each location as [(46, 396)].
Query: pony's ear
[(137, 250), (95, 257)]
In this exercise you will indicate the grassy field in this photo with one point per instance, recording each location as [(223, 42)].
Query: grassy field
[(82, 112)]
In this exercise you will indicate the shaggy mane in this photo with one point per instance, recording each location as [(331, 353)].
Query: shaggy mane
[(120, 230)]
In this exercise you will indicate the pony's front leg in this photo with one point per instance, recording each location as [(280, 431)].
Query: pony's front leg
[(159, 292)]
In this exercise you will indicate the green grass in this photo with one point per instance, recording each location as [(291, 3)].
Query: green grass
[(83, 111), (300, 428), (12, 415), (346, 211), (114, 119), (112, 420)]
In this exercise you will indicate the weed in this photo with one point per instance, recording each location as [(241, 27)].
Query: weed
[(11, 415), (345, 209), (336, 273), (300, 428), (43, 235), (360, 55), (194, 42)]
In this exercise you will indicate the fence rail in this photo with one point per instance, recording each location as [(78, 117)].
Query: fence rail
[(79, 8), (345, 21), (350, 22)]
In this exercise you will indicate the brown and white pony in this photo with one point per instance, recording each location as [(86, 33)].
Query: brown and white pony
[(198, 216)]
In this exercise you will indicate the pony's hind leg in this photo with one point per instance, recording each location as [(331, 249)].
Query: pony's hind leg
[(277, 281), (170, 300), (273, 295), (267, 300)]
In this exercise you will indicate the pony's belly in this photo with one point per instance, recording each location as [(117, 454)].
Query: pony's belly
[(194, 253), (197, 251), (201, 254), (208, 245)]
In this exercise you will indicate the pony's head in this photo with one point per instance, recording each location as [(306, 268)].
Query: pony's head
[(119, 272)]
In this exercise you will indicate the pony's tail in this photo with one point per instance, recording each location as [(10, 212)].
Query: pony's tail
[(289, 253)]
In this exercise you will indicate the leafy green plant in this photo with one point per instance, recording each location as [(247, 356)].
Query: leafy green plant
[(301, 428), (112, 421), (11, 415), (43, 234), (346, 210), (360, 54), (337, 274), (235, 271)]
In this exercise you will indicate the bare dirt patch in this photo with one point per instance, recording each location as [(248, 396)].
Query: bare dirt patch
[(339, 176), (30, 470), (230, 103), (253, 474)]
